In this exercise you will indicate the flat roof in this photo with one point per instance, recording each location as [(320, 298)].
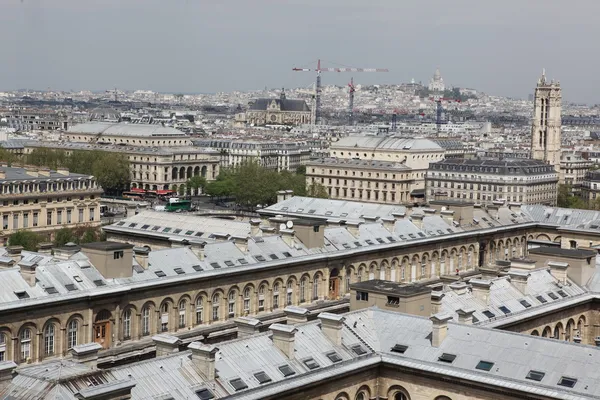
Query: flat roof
[(557, 251), (107, 246), (389, 287)]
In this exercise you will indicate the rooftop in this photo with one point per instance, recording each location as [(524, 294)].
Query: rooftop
[(386, 143), (124, 129), (33, 174), (360, 164), (389, 287)]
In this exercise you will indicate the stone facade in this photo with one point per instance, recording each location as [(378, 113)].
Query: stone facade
[(545, 129)]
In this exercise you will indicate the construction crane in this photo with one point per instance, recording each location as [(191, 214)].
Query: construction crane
[(351, 102), (440, 110), (318, 70)]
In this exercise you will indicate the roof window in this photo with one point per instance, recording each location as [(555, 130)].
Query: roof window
[(447, 358), (189, 232), (99, 282), (484, 365), (70, 287), (567, 382), (160, 274), (541, 299), (562, 293), (242, 261), (287, 254), (51, 290), (179, 271), (260, 258), (145, 226), (489, 314), (311, 363), (334, 357), (525, 303), (273, 256), (197, 268), (358, 349), (238, 384), (552, 296), (286, 370), (229, 263), (22, 295), (215, 265), (504, 309), (399, 348), (262, 377), (535, 375), (205, 394)]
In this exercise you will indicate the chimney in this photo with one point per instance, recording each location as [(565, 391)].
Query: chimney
[(247, 326), (281, 195), (32, 172), (334, 223), (62, 171), (448, 216), (86, 354), (493, 211), (203, 357), (288, 236), (27, 270), (417, 220), (559, 271), (254, 227), (289, 194), (141, 256), (465, 315), (459, 288), (267, 230), (296, 315), (481, 289), (14, 252), (354, 228), (436, 301), (519, 280), (241, 242), (44, 172), (198, 249), (2, 174), (370, 218), (331, 325), (7, 369), (283, 338), (389, 224), (45, 248), (429, 211), (399, 215), (166, 344), (515, 207), (114, 390), (440, 328)]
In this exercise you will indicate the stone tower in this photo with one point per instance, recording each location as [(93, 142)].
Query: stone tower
[(545, 129)]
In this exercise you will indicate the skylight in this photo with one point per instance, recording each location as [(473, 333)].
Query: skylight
[(189, 232), (145, 226), (78, 278), (155, 228), (22, 295), (484, 365), (205, 394), (447, 358), (229, 263), (311, 363), (504, 309), (70, 287), (541, 299), (287, 254), (359, 350), (399, 348), (260, 258), (334, 357), (552, 296), (160, 274), (242, 261), (262, 377), (51, 290), (167, 230), (535, 375), (525, 303), (273, 256), (177, 231), (132, 225), (489, 314), (121, 223), (215, 265), (197, 268), (99, 282), (567, 382), (179, 271), (562, 293), (286, 370), (238, 384)]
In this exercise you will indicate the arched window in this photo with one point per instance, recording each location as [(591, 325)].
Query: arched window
[(290, 290), (72, 334), (2, 347), (127, 324), (400, 396), (231, 304), (25, 344), (247, 293), (182, 306), (316, 287), (145, 321), (164, 317), (361, 396), (261, 297), (49, 340), (215, 307), (303, 290), (276, 295), (199, 310)]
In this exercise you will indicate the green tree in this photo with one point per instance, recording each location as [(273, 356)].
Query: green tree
[(317, 190), (112, 171), (90, 235), (7, 157), (564, 192), (301, 170), (195, 183), (28, 239), (64, 236)]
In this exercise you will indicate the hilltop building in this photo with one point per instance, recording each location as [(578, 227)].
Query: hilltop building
[(436, 84)]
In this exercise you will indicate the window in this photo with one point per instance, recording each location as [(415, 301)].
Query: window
[(552, 296), (303, 290), (261, 298), (484, 365), (525, 303), (358, 350), (535, 375), (49, 340), (182, 307), (489, 314), (164, 318), (447, 358), (562, 293), (215, 307), (393, 300), (316, 288), (127, 324), (247, 300), (35, 219), (72, 334), (199, 310), (362, 296), (276, 295), (286, 370), (334, 357), (504, 309), (231, 304), (399, 348), (567, 382), (2, 347), (92, 211), (311, 363), (205, 394), (262, 377), (25, 343), (238, 384), (80, 215), (145, 321), (541, 299), (117, 255)]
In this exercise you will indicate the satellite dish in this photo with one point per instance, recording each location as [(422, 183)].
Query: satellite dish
[(443, 208), (281, 227), (289, 224)]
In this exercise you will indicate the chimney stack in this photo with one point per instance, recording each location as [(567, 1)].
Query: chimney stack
[(436, 301), (417, 220), (7, 369), (141, 256), (389, 223), (296, 315), (331, 325), (559, 271), (241, 242), (354, 228), (198, 249), (465, 315), (283, 338), (2, 174), (27, 270), (440, 328), (86, 354), (45, 248), (448, 216), (481, 289), (281, 195), (519, 280), (166, 344), (247, 326), (288, 236), (14, 252), (255, 227), (203, 357), (399, 215)]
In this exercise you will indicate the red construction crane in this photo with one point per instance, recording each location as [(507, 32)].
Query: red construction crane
[(318, 70)]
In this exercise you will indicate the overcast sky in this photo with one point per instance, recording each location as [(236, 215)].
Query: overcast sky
[(499, 47)]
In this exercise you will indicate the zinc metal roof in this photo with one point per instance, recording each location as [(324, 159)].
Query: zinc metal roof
[(385, 143), (124, 129)]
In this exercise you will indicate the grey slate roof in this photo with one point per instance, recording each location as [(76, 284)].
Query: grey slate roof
[(495, 167), (20, 174), (124, 129)]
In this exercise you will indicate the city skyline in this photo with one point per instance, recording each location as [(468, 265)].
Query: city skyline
[(66, 45)]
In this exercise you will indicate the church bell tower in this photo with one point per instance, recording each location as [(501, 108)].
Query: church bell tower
[(545, 129)]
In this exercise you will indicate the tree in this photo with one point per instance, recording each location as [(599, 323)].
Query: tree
[(64, 236), (90, 235), (112, 172), (28, 239), (195, 183), (301, 170), (317, 190), (567, 199)]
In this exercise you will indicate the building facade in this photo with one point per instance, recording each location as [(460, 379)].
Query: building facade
[(545, 129), (436, 84), (485, 181), (43, 200), (590, 188), (573, 169), (280, 111)]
